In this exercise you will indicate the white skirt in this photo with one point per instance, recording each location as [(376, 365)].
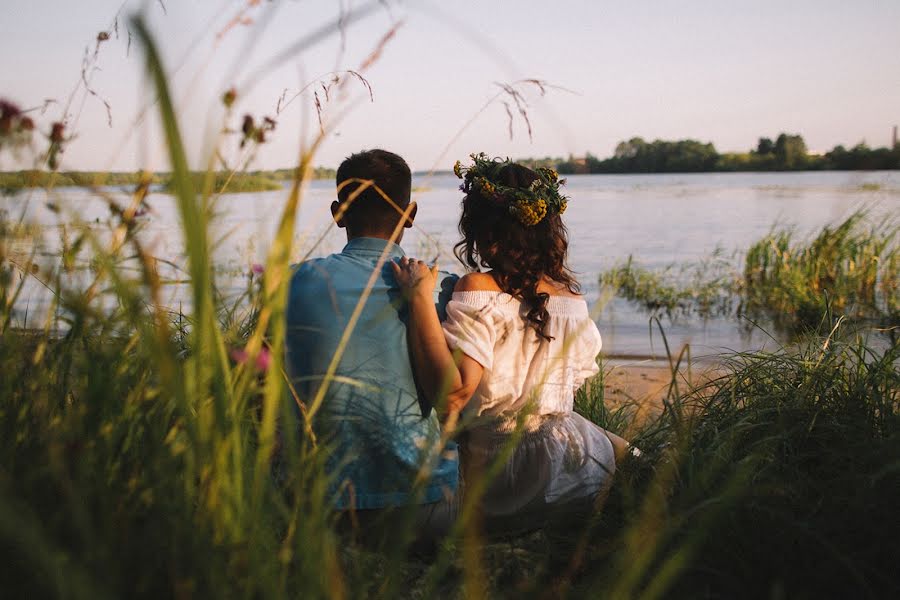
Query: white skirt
[(559, 458)]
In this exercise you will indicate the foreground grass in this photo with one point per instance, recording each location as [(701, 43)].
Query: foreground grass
[(780, 478)]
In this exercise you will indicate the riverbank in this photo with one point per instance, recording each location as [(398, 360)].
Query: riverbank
[(223, 182), (640, 384)]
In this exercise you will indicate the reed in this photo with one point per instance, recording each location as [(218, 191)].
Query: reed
[(704, 290), (850, 271)]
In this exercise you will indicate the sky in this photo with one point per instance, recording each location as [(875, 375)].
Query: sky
[(724, 72)]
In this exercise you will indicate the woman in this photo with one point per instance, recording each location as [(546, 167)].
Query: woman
[(516, 344)]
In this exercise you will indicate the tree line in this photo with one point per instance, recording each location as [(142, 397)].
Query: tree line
[(787, 152)]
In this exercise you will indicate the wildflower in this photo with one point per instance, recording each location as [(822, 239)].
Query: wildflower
[(257, 269), (56, 132), (8, 112), (238, 355), (457, 169), (102, 36), (229, 97), (248, 127), (56, 138), (485, 186), (529, 213), (263, 359)]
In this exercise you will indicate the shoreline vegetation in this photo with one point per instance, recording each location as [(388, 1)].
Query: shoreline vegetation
[(848, 271), (223, 181), (635, 156), (787, 152)]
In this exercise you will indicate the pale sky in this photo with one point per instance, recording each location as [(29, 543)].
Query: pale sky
[(721, 71)]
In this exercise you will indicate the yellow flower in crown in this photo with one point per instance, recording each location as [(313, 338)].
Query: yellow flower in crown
[(562, 207), (529, 213), (528, 204), (486, 187), (540, 210)]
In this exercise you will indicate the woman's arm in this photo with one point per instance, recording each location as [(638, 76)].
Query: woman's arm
[(448, 381)]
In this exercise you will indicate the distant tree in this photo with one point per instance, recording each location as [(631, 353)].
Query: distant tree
[(790, 152), (765, 146), (630, 149)]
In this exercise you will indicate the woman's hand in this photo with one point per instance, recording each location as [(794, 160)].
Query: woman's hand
[(446, 385), (415, 277)]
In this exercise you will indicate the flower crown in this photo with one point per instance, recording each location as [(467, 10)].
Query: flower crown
[(529, 205)]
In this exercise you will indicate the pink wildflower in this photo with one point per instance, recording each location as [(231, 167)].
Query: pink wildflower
[(238, 355), (263, 359)]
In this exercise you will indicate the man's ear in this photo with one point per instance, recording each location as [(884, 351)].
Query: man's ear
[(335, 209), (412, 216)]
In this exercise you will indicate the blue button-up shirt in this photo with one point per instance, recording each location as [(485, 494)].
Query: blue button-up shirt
[(380, 430)]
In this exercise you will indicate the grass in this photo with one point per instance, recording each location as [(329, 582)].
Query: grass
[(139, 459), (704, 290), (850, 270)]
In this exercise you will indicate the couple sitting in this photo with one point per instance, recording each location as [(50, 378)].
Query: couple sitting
[(506, 348)]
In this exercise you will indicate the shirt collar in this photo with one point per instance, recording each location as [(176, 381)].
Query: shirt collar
[(372, 247)]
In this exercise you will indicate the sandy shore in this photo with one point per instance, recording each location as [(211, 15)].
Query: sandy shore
[(644, 382)]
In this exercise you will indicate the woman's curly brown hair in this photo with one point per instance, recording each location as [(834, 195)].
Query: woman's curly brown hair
[(519, 255)]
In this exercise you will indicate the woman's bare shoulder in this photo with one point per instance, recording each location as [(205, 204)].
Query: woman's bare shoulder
[(555, 288), (476, 282)]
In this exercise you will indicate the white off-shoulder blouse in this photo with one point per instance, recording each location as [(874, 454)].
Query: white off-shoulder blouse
[(519, 366), (560, 456)]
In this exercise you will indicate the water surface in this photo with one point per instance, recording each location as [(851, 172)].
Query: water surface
[(660, 220)]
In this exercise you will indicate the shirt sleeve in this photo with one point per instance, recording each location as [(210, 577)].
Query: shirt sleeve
[(471, 329)]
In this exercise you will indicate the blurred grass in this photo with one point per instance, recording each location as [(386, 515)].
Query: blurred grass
[(139, 459)]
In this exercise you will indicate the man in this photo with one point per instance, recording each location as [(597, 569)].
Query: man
[(381, 431)]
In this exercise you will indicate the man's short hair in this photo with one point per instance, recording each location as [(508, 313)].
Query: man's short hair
[(389, 172)]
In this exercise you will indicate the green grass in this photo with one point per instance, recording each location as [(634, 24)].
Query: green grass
[(849, 270), (137, 459), (705, 290)]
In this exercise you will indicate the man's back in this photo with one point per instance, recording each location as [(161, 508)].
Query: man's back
[(372, 415)]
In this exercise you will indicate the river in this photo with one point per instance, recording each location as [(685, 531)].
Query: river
[(660, 220)]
